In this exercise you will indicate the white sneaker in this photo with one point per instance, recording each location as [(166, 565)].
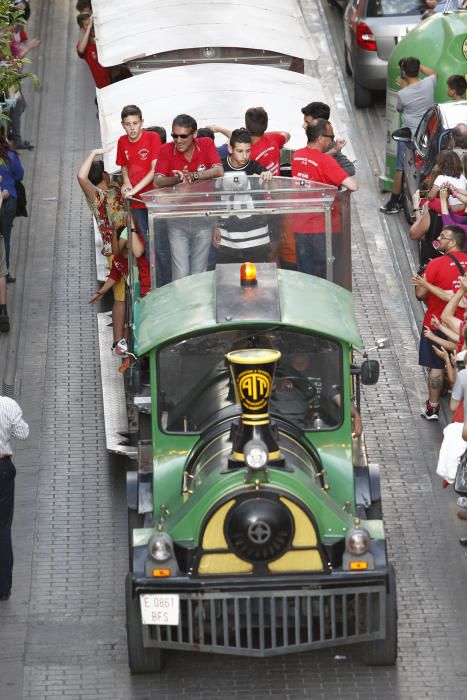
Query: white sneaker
[(120, 348)]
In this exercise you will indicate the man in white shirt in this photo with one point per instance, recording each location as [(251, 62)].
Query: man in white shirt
[(12, 426)]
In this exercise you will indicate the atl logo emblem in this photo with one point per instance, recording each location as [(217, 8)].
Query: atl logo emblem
[(254, 386)]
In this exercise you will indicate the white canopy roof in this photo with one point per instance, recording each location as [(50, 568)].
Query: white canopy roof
[(127, 30), (216, 93)]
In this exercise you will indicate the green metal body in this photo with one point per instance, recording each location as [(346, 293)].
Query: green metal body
[(440, 43), (187, 307)]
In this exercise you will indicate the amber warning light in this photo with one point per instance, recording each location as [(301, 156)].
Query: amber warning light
[(248, 275)]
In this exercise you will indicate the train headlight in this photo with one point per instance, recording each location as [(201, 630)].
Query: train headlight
[(160, 547), (256, 454), (357, 541)]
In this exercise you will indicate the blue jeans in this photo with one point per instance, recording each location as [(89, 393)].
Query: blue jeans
[(311, 253), (7, 498), (190, 240), (141, 218), (163, 257)]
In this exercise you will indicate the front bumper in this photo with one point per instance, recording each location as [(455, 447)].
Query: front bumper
[(279, 617)]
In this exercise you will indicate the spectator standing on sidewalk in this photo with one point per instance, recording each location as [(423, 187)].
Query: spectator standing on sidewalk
[(20, 46), (12, 426), (413, 100), (11, 171), (457, 85), (444, 272), (4, 320)]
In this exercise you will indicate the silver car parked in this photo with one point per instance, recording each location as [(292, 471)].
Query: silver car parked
[(372, 28)]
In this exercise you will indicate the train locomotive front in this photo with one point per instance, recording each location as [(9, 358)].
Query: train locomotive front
[(254, 530)]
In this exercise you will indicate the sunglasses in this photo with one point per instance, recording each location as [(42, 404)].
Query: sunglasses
[(181, 136), (328, 136)]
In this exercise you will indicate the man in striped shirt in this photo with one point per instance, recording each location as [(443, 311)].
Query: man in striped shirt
[(12, 426)]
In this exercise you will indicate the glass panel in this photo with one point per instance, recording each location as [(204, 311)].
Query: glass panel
[(196, 390), (238, 218), (392, 8)]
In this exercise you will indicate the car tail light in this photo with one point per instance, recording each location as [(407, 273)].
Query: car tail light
[(365, 37)]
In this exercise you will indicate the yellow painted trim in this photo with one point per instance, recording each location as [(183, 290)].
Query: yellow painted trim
[(301, 560), (255, 416), (223, 564), (255, 422), (213, 537), (253, 356), (271, 455), (216, 454), (305, 534)]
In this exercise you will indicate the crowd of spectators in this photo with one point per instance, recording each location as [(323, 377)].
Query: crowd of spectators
[(13, 105), (440, 227)]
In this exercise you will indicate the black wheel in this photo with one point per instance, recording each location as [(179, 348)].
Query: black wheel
[(135, 520), (141, 659), (383, 652), (348, 67), (362, 96)]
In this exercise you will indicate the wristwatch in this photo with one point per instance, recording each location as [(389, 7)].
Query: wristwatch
[(195, 176)]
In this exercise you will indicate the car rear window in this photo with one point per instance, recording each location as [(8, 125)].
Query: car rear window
[(393, 8)]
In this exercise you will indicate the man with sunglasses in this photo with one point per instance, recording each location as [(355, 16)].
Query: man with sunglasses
[(313, 163), (189, 160), (444, 272)]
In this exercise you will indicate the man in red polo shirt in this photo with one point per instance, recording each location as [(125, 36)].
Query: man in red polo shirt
[(189, 160), (312, 163), (87, 50)]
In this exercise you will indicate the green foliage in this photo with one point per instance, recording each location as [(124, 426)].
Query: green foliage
[(11, 69)]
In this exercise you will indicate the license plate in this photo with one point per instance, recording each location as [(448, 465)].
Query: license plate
[(160, 609)]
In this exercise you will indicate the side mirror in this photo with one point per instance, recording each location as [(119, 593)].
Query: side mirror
[(404, 134), (369, 372)]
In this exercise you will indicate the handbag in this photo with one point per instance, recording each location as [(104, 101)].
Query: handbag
[(460, 482), (21, 200)]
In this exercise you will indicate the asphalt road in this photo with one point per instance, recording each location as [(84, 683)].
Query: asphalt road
[(62, 634)]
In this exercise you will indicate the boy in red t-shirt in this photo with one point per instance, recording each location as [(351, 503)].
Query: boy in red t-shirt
[(265, 145), (137, 153)]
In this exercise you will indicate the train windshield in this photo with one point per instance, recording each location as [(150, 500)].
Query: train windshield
[(196, 389)]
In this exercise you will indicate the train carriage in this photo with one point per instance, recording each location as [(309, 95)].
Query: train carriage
[(269, 33)]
